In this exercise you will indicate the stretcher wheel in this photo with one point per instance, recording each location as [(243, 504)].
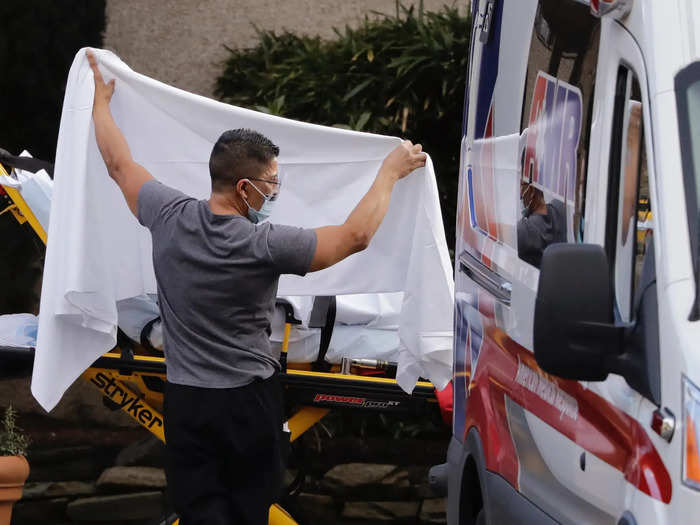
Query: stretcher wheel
[(170, 520)]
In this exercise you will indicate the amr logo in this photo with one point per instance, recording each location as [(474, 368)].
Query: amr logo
[(553, 134)]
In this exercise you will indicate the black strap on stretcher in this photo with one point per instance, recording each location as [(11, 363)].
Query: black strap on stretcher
[(145, 336), (323, 317), (25, 163), (127, 348)]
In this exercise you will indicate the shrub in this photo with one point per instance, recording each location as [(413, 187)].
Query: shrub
[(12, 441), (399, 75)]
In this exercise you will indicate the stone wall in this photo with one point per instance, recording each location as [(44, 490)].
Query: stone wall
[(81, 404), (103, 483), (183, 43)]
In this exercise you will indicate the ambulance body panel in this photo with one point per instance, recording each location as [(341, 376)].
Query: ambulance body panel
[(580, 109)]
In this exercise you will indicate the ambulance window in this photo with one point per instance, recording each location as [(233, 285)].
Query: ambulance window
[(629, 222), (555, 126)]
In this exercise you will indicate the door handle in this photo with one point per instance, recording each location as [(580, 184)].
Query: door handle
[(485, 277)]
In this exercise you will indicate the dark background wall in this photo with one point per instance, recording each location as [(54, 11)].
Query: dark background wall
[(38, 40)]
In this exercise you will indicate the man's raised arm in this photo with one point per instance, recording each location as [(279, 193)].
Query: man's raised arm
[(128, 175), (335, 243)]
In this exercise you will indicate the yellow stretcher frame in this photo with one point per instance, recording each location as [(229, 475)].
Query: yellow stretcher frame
[(21, 210), (129, 391)]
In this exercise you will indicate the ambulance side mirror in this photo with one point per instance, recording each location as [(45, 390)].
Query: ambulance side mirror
[(574, 333)]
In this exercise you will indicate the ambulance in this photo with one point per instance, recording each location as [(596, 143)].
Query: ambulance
[(577, 327)]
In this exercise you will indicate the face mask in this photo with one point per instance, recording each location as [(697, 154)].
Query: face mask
[(265, 210)]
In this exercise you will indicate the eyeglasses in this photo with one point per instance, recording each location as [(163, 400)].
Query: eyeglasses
[(276, 182)]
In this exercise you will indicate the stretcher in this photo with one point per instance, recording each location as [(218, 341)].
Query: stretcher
[(131, 376)]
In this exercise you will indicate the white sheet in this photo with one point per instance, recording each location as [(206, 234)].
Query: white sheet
[(35, 188), (97, 252), (366, 326), (18, 330)]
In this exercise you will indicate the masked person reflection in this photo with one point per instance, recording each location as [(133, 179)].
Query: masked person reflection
[(217, 269), (542, 224)]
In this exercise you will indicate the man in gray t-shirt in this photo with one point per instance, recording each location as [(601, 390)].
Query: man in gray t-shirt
[(217, 269), (217, 297)]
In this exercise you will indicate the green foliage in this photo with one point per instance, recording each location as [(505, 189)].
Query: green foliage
[(12, 441), (400, 75)]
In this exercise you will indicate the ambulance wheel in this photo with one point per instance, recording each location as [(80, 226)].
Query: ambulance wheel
[(480, 518)]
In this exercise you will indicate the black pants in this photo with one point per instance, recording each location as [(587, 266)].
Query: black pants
[(223, 452)]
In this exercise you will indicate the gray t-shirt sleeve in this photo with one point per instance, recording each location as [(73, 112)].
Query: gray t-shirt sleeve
[(157, 202), (291, 249)]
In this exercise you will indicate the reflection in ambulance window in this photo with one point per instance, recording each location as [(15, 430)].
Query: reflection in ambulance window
[(555, 126), (542, 224), (631, 167), (630, 221), (645, 219)]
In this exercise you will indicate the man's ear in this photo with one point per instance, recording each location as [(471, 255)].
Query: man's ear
[(240, 187)]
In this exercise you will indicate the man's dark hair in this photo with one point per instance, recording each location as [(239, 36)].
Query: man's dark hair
[(239, 154)]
